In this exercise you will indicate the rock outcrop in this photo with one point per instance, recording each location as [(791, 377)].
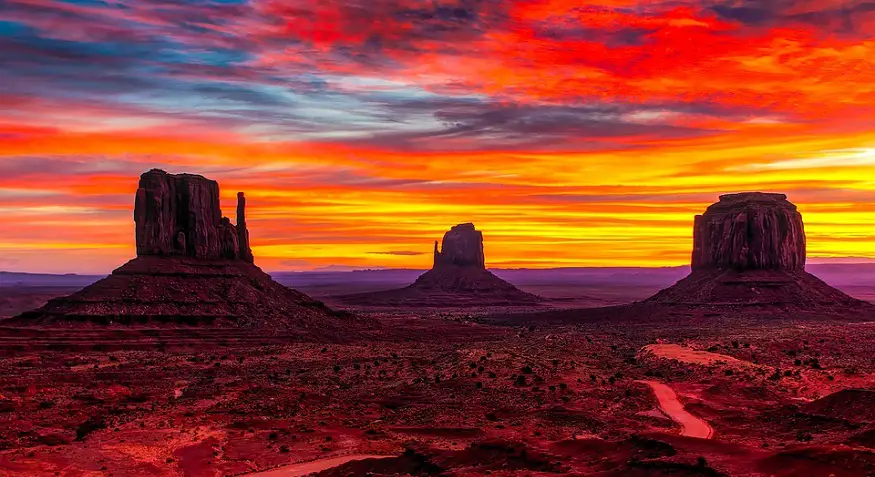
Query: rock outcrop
[(178, 215), (749, 231), (194, 268), (458, 278), (749, 249), (462, 246)]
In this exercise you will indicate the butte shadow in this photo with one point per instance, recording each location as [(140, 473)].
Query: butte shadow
[(748, 261), (194, 268), (458, 278)]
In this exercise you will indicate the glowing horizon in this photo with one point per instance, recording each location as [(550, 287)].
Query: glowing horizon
[(571, 134)]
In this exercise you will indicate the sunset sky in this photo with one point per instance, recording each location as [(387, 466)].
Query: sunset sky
[(571, 132)]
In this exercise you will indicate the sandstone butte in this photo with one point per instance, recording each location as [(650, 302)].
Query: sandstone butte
[(750, 249), (747, 262), (194, 268), (458, 278)]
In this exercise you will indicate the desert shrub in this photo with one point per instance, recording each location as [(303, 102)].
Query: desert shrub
[(802, 436), (92, 424)]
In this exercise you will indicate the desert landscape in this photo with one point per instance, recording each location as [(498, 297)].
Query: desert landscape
[(437, 238), (191, 361)]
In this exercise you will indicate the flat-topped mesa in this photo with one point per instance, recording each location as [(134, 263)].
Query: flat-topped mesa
[(749, 231), (179, 215), (462, 246)]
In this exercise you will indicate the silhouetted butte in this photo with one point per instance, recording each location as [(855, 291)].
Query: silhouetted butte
[(458, 277), (193, 268)]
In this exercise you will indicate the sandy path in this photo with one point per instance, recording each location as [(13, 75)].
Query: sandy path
[(306, 468), (691, 426)]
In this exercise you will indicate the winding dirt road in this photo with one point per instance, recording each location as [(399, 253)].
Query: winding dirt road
[(691, 426)]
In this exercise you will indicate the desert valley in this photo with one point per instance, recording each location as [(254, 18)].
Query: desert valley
[(191, 361)]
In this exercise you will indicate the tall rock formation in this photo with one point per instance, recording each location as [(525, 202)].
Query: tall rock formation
[(194, 268), (458, 278), (749, 231), (749, 249), (748, 263), (462, 246), (179, 215)]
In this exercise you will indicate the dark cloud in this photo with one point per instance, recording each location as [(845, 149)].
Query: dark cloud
[(468, 124), (842, 17), (612, 37)]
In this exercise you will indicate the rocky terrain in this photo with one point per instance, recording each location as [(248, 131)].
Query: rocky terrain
[(443, 395), (459, 278)]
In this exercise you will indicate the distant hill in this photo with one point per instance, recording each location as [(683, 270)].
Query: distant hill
[(22, 279), (857, 279)]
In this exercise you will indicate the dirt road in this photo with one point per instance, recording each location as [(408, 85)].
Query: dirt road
[(691, 426)]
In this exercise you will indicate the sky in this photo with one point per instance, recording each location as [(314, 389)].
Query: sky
[(571, 132)]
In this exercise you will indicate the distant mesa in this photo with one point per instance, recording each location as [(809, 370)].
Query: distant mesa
[(458, 278), (750, 249), (193, 268), (748, 261), (749, 231)]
